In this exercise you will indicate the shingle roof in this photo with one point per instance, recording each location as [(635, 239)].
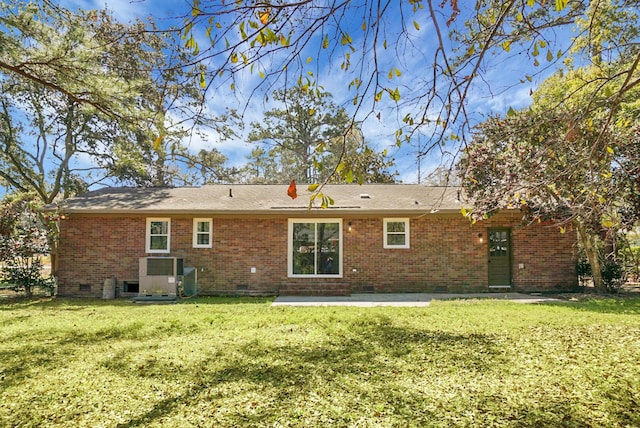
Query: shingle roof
[(266, 199)]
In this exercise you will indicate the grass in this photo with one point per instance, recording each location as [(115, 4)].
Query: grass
[(241, 362)]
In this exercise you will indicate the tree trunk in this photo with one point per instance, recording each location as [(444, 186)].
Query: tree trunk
[(590, 244)]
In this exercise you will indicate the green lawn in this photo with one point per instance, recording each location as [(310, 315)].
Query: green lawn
[(241, 362)]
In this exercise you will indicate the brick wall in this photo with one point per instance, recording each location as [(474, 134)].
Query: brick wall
[(544, 258), (93, 249), (445, 255)]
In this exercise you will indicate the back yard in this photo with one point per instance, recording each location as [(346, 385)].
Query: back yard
[(241, 362)]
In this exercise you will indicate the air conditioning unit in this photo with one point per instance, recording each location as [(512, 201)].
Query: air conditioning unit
[(159, 276)]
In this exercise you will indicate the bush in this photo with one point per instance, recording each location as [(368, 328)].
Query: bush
[(23, 242), (613, 275), (630, 259), (26, 275)]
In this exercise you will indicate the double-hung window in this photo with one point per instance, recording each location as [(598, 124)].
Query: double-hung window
[(158, 236), (396, 233), (315, 248), (202, 233)]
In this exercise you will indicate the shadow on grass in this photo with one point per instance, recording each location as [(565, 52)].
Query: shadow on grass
[(602, 304), (81, 303), (18, 361), (56, 347), (59, 303), (286, 359), (367, 352), (359, 368), (16, 365)]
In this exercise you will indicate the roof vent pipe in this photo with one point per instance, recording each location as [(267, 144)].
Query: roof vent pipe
[(230, 194)]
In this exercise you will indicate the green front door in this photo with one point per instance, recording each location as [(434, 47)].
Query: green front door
[(499, 258)]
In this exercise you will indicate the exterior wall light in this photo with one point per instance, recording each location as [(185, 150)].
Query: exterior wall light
[(480, 238), (349, 227)]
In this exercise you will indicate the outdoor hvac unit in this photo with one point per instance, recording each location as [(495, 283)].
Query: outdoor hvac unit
[(159, 276)]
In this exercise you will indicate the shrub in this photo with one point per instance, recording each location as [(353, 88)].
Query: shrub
[(612, 275), (23, 242), (630, 259)]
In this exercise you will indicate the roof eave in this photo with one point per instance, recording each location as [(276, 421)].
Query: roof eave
[(324, 212)]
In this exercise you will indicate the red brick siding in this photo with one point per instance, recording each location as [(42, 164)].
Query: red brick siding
[(93, 249), (238, 246), (445, 254), (548, 258)]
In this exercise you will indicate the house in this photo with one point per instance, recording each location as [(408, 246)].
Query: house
[(256, 240)]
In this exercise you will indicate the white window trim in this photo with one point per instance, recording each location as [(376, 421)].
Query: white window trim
[(196, 233), (290, 273), (407, 232), (148, 235)]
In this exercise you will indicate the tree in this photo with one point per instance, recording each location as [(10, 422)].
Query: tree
[(54, 144), (153, 153), (299, 131), (443, 175), (261, 167), (571, 159), (138, 104), (210, 168), (45, 131), (54, 49), (356, 161), (311, 140), (371, 45)]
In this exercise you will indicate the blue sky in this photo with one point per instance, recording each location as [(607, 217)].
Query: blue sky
[(499, 89)]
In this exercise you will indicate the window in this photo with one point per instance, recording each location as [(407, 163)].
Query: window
[(158, 235), (315, 248), (396, 233), (202, 233)]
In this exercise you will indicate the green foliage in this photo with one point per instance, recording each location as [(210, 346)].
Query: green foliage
[(80, 84), (571, 158), (567, 156), (24, 273), (23, 242), (219, 41), (47, 46), (152, 152), (630, 259), (68, 97), (309, 139), (370, 40), (628, 254), (613, 275), (240, 362), (612, 271)]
